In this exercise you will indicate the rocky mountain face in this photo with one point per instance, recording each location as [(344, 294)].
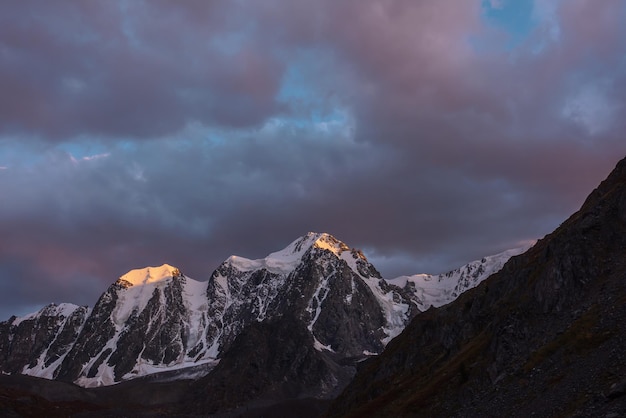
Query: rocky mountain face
[(150, 320), (332, 289), (544, 336), (291, 325), (39, 342)]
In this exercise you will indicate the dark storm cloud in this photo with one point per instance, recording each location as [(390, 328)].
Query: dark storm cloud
[(412, 130), (129, 69)]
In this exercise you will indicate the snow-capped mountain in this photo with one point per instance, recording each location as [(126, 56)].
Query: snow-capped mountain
[(150, 320), (332, 288), (438, 290), (36, 344), (156, 319)]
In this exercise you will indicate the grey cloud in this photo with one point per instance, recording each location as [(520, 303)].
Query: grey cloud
[(448, 154), (103, 69)]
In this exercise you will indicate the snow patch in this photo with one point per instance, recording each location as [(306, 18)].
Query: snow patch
[(321, 347), (144, 368), (318, 299), (197, 304)]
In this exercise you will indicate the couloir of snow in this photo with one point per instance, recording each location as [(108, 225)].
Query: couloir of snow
[(194, 295)]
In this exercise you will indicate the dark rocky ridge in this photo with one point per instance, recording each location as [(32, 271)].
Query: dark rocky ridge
[(545, 336), (98, 329), (50, 332), (267, 363)]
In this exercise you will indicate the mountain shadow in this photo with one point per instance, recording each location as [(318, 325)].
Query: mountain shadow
[(545, 336)]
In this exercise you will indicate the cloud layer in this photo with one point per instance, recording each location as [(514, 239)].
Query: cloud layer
[(427, 134)]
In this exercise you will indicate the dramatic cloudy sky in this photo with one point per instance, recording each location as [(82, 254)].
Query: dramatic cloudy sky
[(426, 133)]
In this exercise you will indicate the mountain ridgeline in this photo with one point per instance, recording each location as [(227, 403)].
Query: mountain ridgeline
[(318, 302)]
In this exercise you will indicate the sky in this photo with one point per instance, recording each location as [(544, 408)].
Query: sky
[(425, 133)]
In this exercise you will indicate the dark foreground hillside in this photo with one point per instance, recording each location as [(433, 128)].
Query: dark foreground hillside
[(545, 337), (26, 396)]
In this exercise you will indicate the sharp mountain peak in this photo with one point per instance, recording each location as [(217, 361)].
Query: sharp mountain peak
[(287, 259)]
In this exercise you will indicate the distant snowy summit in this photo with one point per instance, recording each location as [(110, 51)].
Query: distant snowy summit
[(156, 319), (438, 290), (287, 259)]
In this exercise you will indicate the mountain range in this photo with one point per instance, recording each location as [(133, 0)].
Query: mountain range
[(158, 322), (314, 329)]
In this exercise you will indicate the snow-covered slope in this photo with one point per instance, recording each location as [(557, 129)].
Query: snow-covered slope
[(438, 290)]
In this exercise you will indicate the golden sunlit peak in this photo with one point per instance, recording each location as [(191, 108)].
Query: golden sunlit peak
[(150, 274)]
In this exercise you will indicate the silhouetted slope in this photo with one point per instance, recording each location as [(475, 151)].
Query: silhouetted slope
[(267, 363), (544, 336)]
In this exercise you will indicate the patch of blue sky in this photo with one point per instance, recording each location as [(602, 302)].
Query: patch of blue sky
[(18, 151), (515, 19), (126, 145), (514, 16), (312, 110), (337, 120), (294, 86), (337, 124)]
